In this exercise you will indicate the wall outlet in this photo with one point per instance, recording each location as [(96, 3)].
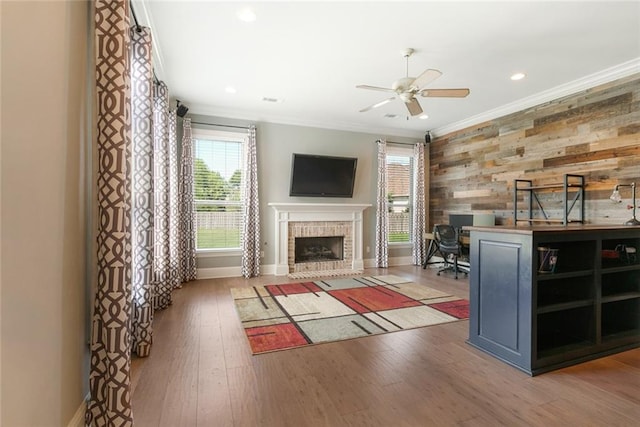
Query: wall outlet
[(367, 249), (261, 254)]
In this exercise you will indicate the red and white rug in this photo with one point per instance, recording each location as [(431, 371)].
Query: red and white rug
[(284, 316)]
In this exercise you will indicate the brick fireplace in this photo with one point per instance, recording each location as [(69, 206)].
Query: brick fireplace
[(321, 220)]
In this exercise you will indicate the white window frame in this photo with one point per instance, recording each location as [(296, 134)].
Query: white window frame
[(218, 135), (405, 151)]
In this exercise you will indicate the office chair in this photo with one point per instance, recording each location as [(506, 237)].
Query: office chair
[(450, 247)]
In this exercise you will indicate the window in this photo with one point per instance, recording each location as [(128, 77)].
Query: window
[(399, 193), (217, 168)]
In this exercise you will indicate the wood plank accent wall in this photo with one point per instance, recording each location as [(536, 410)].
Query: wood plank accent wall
[(595, 133)]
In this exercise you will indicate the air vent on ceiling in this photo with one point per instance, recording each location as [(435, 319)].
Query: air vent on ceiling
[(390, 116), (268, 99)]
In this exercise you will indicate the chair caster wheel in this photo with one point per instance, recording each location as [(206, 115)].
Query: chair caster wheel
[(438, 274)]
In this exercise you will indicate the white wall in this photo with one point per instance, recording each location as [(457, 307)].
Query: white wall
[(43, 307), (276, 144)]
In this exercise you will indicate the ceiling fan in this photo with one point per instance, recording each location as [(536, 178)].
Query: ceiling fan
[(406, 88)]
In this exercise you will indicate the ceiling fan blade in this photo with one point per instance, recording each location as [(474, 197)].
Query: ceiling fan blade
[(383, 89), (414, 107), (445, 93), (425, 78), (377, 104)]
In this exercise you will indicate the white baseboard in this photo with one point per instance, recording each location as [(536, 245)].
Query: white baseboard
[(393, 261), (270, 269), (220, 272), (78, 418)]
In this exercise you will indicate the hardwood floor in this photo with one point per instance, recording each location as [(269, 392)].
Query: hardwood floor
[(201, 373)]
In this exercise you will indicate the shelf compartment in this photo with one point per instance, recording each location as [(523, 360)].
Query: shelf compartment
[(620, 318), (559, 331), (577, 290), (573, 256), (626, 282), (625, 259)]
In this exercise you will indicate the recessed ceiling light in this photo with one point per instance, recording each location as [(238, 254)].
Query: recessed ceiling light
[(246, 15), (230, 89), (270, 99), (424, 116), (518, 76)]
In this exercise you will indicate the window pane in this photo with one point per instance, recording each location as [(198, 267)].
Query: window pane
[(217, 191), (399, 197)]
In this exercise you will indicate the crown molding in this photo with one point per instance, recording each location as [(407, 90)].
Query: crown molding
[(605, 76)]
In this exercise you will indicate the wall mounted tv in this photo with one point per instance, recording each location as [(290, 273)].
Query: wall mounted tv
[(322, 176)]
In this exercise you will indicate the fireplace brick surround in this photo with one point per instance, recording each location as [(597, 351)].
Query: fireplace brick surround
[(320, 229), (318, 220)]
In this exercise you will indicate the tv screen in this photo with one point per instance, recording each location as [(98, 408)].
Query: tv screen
[(322, 176)]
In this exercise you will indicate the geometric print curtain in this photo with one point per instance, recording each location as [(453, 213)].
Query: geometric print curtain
[(142, 189), (419, 214), (174, 229), (162, 264), (251, 211), (382, 208), (110, 372), (186, 214)]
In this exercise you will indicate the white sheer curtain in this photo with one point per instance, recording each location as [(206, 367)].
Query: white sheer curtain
[(251, 214), (382, 208), (419, 214)]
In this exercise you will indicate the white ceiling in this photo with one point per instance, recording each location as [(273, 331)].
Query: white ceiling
[(311, 55)]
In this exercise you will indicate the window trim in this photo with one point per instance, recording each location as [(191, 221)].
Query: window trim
[(405, 151), (227, 136)]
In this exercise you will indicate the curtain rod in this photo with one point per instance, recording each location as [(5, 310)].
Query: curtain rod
[(217, 124), (399, 143)]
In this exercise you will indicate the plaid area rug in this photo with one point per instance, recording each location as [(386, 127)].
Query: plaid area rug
[(279, 317)]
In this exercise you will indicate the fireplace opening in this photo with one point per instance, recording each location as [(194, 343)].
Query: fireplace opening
[(317, 249)]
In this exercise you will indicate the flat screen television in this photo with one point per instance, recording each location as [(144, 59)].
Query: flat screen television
[(322, 176)]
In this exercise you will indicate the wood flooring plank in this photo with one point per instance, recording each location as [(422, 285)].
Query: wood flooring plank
[(201, 373)]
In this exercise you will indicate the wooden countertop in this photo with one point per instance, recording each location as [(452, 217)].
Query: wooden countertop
[(510, 229)]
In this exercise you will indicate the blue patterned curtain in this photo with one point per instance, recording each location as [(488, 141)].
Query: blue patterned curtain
[(382, 208), (419, 214), (251, 214), (186, 222)]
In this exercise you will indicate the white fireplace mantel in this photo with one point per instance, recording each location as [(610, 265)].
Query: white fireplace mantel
[(303, 212)]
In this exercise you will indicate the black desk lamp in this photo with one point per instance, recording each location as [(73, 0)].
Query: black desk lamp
[(616, 198)]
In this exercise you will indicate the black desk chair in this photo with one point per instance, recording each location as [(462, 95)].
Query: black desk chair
[(450, 247)]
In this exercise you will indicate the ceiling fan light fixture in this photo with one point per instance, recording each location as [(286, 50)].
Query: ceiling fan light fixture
[(518, 76), (406, 96)]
